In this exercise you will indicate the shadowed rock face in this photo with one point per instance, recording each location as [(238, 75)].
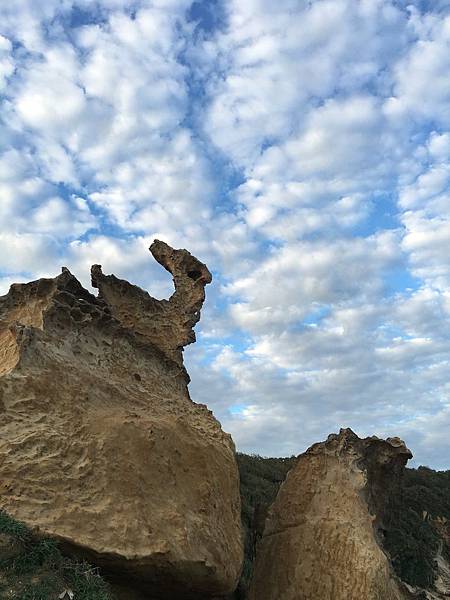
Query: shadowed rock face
[(100, 445), (322, 534)]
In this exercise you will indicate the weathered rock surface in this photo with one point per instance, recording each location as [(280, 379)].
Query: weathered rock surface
[(100, 444), (442, 584), (321, 538)]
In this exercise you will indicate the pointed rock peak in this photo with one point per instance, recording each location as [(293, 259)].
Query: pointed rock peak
[(63, 302), (168, 324), (181, 264), (346, 440), (37, 303)]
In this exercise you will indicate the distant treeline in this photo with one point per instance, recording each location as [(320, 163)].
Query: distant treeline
[(260, 480), (415, 528)]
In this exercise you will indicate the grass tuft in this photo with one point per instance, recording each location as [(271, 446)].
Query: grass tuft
[(38, 571)]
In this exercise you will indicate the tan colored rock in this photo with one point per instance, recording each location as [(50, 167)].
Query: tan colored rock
[(100, 444), (320, 538), (168, 324), (442, 582)]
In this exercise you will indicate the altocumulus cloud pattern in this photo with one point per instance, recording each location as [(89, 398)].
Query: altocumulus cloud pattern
[(301, 149)]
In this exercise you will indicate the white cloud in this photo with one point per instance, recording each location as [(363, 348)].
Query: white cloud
[(32, 204), (6, 61), (421, 87), (48, 99), (302, 150), (426, 214), (279, 57), (327, 177), (27, 253), (297, 278)]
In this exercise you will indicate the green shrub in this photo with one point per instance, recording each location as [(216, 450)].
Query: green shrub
[(38, 571), (10, 526)]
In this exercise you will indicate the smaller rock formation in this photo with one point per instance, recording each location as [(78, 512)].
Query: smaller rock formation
[(322, 538)]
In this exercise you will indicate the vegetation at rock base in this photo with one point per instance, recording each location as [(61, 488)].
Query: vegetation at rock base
[(416, 525), (32, 568), (260, 480)]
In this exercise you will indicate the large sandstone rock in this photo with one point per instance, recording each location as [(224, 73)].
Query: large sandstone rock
[(100, 444), (322, 536)]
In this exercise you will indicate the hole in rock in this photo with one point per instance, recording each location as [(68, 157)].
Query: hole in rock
[(194, 274)]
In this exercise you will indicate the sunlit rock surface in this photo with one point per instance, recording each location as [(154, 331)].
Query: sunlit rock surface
[(100, 444), (322, 537)]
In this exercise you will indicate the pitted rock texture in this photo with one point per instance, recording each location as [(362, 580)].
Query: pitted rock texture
[(320, 539), (166, 323), (100, 444)]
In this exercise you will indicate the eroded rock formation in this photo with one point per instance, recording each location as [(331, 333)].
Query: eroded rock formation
[(100, 444), (322, 538)]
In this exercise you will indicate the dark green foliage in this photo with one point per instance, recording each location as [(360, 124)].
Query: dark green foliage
[(85, 581), (11, 527), (428, 490), (412, 545), (43, 589), (411, 537), (260, 480), (38, 571), (36, 554)]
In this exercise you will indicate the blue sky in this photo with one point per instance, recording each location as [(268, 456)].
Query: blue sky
[(300, 149)]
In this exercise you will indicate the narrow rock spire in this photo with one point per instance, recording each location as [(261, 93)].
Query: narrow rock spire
[(168, 324)]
